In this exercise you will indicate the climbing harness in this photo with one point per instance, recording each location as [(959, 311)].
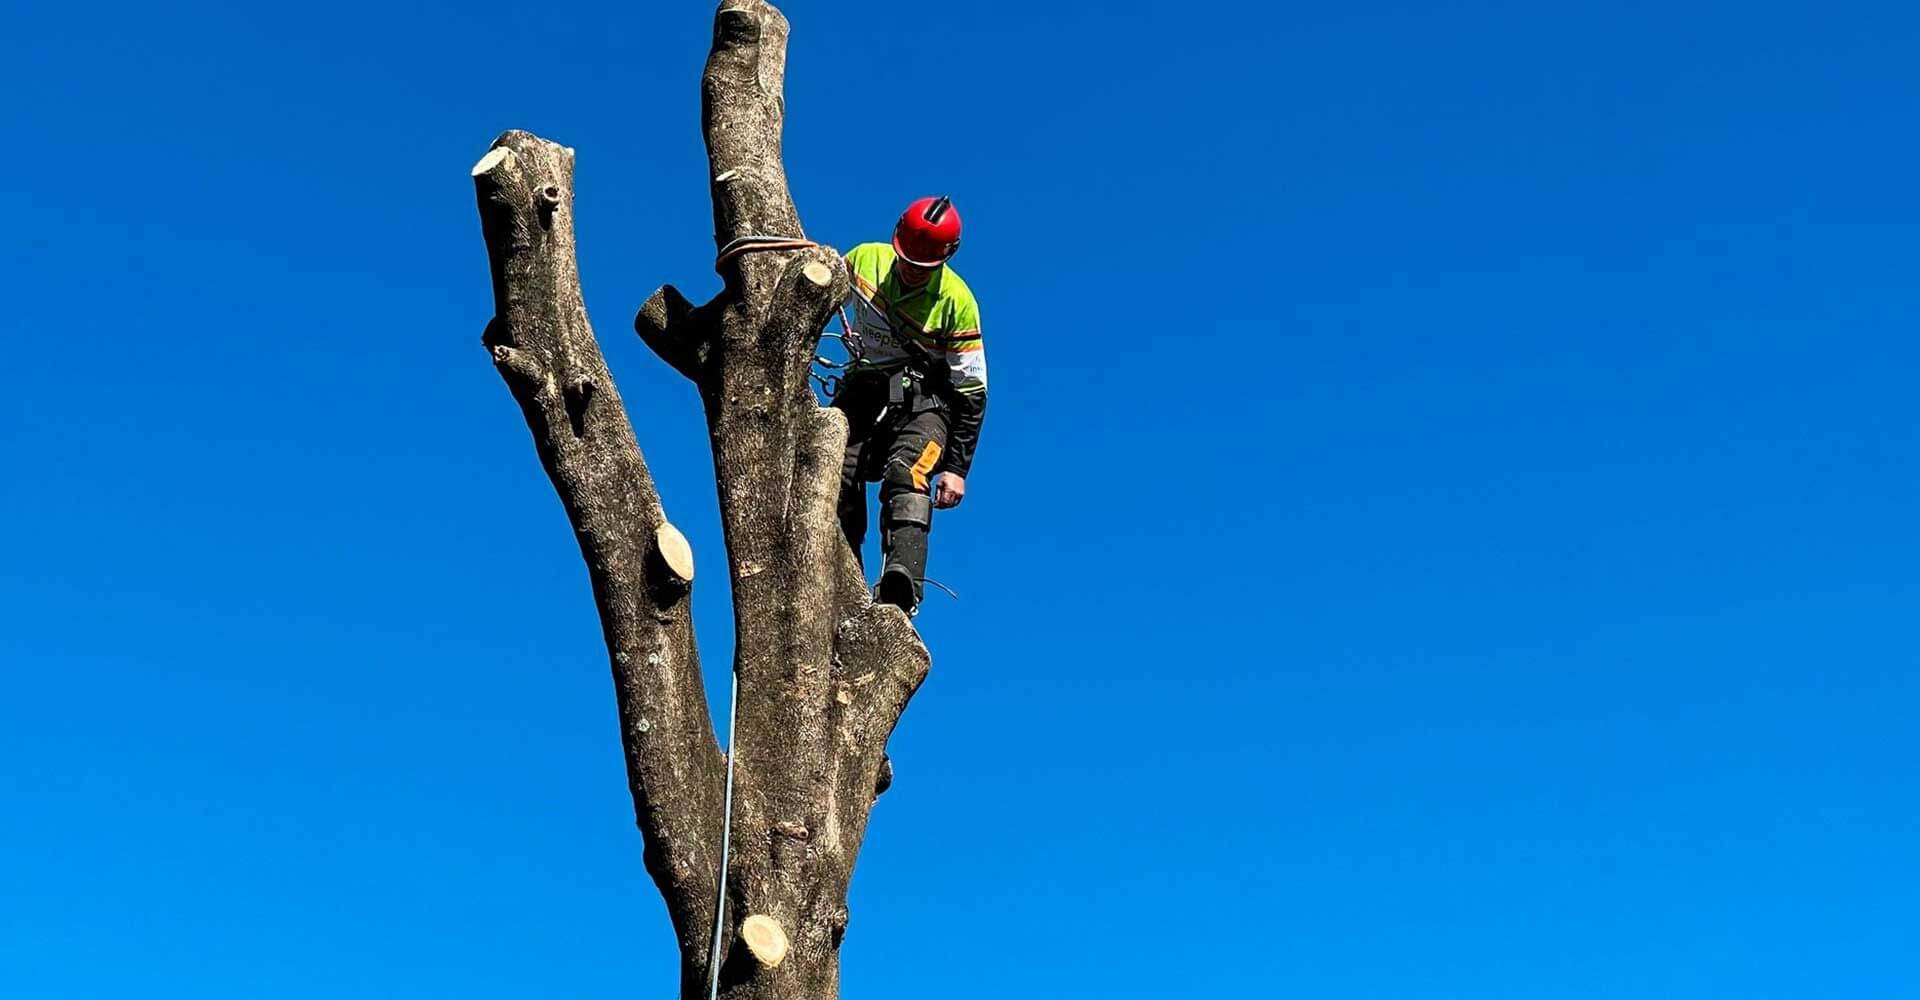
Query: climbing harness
[(726, 841)]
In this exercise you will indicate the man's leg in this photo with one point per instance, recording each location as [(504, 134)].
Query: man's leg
[(854, 477), (853, 501), (907, 509)]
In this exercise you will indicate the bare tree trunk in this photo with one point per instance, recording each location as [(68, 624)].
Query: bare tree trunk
[(824, 673)]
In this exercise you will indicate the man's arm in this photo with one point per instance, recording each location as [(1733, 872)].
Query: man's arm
[(966, 357), (963, 432)]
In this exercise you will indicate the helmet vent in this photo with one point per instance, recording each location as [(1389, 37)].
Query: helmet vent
[(937, 209)]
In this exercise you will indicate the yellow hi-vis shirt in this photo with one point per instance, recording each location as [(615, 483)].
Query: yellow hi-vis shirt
[(941, 318)]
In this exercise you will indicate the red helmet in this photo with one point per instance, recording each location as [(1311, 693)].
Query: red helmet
[(928, 233)]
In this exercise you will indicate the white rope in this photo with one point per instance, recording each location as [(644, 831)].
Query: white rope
[(726, 839)]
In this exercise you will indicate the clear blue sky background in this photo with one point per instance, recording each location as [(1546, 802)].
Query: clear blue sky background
[(1445, 528)]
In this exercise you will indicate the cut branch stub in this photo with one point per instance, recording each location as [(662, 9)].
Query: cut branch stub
[(675, 554), (497, 156), (765, 938), (676, 331)]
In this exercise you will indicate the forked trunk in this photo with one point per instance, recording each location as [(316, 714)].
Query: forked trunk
[(823, 672)]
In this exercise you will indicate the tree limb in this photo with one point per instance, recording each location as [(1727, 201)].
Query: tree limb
[(546, 352)]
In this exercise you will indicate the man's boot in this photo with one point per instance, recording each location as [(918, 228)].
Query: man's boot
[(904, 544)]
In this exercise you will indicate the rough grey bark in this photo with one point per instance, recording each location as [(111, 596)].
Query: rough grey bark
[(824, 673)]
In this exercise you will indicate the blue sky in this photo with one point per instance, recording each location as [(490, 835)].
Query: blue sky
[(1444, 528)]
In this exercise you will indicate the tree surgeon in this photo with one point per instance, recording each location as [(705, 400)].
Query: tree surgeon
[(915, 391)]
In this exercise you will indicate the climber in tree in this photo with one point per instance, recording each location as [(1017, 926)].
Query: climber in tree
[(915, 390)]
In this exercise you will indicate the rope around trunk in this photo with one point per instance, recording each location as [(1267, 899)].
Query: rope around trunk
[(754, 244)]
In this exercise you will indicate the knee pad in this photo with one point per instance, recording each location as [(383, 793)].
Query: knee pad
[(910, 508)]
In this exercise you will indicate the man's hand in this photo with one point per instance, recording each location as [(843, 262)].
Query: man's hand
[(949, 491)]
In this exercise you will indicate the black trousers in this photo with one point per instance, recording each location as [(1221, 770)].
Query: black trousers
[(897, 446)]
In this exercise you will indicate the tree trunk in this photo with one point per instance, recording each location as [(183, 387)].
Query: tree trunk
[(823, 672)]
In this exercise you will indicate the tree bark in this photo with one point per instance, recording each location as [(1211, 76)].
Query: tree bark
[(823, 672)]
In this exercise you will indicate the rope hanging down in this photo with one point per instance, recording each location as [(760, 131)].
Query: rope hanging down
[(726, 840)]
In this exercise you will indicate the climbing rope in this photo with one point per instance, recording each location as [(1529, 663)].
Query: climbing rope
[(830, 384), (726, 841)]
